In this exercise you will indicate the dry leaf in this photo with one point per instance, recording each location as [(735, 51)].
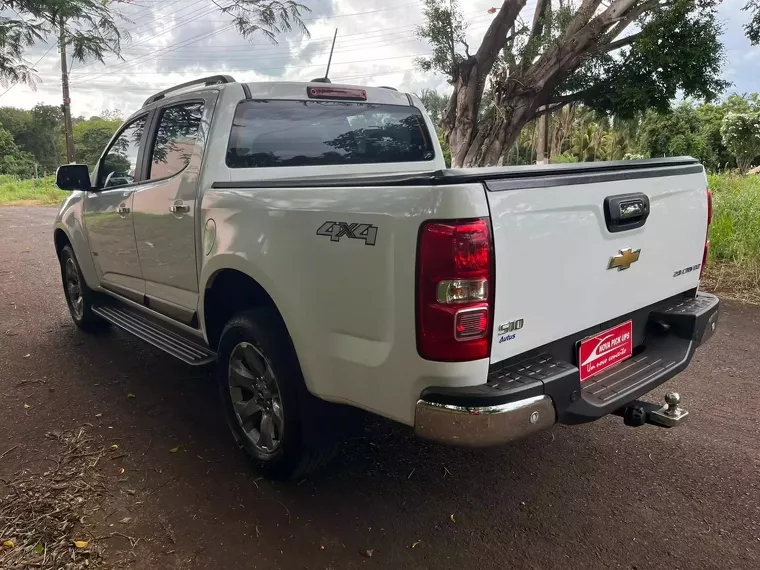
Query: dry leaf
[(27, 355), (27, 406), (415, 543), (8, 544), (130, 395), (121, 471), (81, 543), (452, 519), (125, 520), (174, 449), (98, 415), (115, 446)]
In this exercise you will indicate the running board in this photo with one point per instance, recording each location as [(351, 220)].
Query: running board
[(156, 334)]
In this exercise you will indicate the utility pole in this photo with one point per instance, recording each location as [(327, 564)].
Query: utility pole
[(66, 97)]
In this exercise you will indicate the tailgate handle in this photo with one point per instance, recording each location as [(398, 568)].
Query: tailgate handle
[(626, 211)]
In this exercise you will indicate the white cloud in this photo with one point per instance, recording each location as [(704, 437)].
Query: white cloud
[(173, 41)]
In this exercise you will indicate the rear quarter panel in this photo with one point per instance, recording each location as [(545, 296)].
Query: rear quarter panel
[(349, 306)]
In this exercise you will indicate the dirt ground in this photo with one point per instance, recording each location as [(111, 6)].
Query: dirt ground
[(594, 496)]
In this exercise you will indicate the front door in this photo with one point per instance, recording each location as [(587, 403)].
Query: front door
[(165, 207), (108, 214)]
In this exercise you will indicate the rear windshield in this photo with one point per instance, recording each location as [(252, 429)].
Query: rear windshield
[(313, 133)]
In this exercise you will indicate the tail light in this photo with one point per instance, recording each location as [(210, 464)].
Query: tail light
[(707, 240), (454, 290)]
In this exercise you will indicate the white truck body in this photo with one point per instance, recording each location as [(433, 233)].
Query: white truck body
[(350, 305)]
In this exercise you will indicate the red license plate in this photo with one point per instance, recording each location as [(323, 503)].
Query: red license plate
[(599, 352)]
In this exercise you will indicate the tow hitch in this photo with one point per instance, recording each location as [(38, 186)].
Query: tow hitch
[(638, 413)]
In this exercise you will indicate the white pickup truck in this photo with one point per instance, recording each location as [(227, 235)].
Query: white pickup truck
[(308, 238)]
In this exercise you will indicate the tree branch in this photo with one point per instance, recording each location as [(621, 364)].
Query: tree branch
[(495, 37), (617, 44), (538, 18)]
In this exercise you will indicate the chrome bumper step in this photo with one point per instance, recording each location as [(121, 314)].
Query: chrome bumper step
[(156, 334)]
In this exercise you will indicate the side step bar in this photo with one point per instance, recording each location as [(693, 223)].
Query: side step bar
[(157, 335)]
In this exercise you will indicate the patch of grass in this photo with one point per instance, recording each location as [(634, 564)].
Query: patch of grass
[(734, 267), (35, 191)]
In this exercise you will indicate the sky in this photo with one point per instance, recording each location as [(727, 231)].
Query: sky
[(173, 41)]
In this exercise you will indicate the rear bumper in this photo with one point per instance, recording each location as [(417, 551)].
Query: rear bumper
[(530, 393)]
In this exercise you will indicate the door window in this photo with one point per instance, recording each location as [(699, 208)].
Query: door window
[(177, 133), (119, 165)]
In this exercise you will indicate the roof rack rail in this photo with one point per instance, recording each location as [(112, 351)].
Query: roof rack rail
[(387, 87), (211, 80)]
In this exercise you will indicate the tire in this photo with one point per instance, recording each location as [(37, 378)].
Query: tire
[(259, 377), (79, 297)]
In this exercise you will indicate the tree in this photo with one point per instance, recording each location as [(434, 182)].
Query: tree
[(435, 104), (270, 17), (753, 26), (90, 32), (12, 160), (37, 132), (91, 138), (575, 53), (741, 135)]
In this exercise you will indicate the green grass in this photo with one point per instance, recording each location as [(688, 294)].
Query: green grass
[(735, 230), (40, 191)]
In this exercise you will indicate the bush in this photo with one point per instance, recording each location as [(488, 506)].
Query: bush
[(735, 230), (42, 190)]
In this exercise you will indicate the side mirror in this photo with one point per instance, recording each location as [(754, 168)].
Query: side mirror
[(73, 177)]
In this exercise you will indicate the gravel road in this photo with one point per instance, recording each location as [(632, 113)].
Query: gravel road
[(594, 496)]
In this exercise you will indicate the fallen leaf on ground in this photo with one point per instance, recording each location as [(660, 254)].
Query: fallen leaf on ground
[(8, 544), (27, 355), (367, 553), (81, 543), (125, 520), (130, 395), (98, 415), (174, 449), (121, 471), (115, 446), (415, 543), (27, 406), (39, 549), (452, 519)]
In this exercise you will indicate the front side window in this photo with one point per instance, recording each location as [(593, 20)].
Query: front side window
[(120, 162), (314, 133), (176, 136)]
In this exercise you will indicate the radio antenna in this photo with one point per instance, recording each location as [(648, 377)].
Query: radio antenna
[(327, 73)]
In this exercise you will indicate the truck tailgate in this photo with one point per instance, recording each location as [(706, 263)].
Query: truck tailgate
[(559, 267)]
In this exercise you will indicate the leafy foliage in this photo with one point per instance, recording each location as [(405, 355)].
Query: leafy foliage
[(446, 31), (435, 103), (91, 32), (270, 17), (753, 26), (37, 132), (741, 135), (678, 48), (91, 138)]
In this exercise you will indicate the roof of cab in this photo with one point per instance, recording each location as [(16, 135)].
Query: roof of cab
[(279, 90)]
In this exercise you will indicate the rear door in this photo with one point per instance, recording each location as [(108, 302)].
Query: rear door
[(565, 262), (165, 206), (108, 212)]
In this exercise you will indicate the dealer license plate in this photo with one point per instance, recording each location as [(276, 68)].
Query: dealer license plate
[(602, 351)]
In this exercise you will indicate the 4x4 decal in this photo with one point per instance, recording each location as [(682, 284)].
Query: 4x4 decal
[(337, 230)]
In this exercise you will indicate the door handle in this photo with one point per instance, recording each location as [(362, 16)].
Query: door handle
[(179, 208), (123, 211)]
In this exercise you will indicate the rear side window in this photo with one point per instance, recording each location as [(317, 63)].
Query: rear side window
[(315, 133), (175, 140)]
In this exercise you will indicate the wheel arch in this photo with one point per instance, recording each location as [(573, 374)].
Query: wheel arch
[(229, 287)]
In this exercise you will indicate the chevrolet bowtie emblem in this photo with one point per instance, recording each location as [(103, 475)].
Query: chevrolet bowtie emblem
[(624, 259)]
